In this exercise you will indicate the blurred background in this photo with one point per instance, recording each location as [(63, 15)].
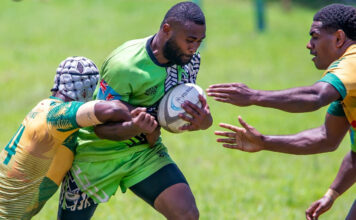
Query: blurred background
[(260, 43)]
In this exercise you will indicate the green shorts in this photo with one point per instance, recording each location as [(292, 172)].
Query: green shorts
[(100, 180)]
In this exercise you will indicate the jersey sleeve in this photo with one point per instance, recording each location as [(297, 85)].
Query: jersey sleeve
[(116, 83), (344, 70), (71, 142), (335, 82), (352, 138), (336, 109), (63, 116)]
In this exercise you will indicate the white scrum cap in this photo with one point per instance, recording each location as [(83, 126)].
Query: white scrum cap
[(76, 78)]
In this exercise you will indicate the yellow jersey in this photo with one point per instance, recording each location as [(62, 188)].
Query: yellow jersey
[(25, 181)]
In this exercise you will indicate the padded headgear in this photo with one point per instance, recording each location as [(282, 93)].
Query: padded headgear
[(76, 78)]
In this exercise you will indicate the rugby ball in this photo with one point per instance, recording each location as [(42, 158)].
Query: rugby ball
[(171, 106)]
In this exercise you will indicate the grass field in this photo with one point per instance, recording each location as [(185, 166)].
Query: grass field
[(36, 35)]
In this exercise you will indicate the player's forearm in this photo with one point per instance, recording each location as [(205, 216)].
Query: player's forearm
[(346, 176), (311, 141), (302, 99), (112, 111), (117, 131)]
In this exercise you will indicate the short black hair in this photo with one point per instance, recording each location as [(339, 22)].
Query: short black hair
[(183, 12), (338, 16)]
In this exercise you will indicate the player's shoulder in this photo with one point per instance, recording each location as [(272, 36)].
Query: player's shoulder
[(59, 109), (127, 51), (125, 58), (347, 60), (62, 115)]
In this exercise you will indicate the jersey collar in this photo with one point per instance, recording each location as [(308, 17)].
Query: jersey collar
[(152, 56)]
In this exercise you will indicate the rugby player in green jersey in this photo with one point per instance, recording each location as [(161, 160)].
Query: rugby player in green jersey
[(139, 73), (333, 45), (34, 162)]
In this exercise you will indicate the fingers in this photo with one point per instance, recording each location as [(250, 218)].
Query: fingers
[(222, 100), (225, 134), (231, 127), (145, 122), (221, 90), (192, 109), (226, 140), (185, 117), (242, 122), (192, 112), (189, 127), (217, 94), (135, 112), (203, 101), (221, 85), (310, 211), (233, 146), (318, 211)]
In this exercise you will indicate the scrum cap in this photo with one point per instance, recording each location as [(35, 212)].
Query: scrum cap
[(76, 78)]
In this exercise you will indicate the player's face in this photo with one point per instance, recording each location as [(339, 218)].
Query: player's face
[(322, 46), (183, 43)]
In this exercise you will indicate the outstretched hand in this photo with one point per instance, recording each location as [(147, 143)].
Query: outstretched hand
[(245, 139), (318, 208), (234, 93)]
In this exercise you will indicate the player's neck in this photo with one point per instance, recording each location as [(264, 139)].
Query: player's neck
[(157, 49), (61, 96), (346, 46)]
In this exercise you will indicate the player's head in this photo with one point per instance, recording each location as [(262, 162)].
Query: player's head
[(333, 28), (183, 28), (76, 78)]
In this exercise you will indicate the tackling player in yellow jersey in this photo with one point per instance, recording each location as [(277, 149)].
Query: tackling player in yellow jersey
[(35, 160)]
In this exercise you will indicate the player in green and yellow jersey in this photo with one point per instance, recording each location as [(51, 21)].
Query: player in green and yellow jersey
[(140, 72), (333, 45), (34, 162)]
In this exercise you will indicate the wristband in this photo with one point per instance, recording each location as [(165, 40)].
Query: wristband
[(86, 114), (332, 194)]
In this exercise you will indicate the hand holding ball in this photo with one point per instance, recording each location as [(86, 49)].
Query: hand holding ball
[(171, 106)]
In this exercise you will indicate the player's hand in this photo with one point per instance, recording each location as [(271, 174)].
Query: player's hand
[(142, 121), (245, 139), (200, 116), (234, 93), (318, 208), (153, 136)]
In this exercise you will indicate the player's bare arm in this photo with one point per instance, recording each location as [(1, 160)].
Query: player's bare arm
[(317, 140), (200, 116), (141, 122), (99, 112), (300, 99), (345, 178)]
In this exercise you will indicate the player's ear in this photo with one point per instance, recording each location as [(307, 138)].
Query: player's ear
[(167, 29), (340, 38)]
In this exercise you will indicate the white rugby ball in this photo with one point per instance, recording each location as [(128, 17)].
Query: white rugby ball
[(171, 106)]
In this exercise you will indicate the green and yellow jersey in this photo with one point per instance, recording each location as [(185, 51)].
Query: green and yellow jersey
[(342, 75), (27, 175)]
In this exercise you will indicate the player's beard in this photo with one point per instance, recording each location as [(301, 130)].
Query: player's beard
[(174, 54)]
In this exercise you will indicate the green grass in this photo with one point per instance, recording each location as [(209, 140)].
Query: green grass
[(36, 35)]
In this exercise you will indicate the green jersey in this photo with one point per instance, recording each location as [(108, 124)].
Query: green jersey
[(132, 74)]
